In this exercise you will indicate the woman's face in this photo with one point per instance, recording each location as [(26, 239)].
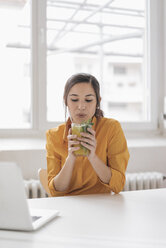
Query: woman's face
[(81, 102)]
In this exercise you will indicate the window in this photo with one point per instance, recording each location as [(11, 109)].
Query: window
[(116, 41), (119, 70), (107, 39), (15, 82)]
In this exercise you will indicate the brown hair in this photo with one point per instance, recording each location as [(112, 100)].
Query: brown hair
[(84, 78)]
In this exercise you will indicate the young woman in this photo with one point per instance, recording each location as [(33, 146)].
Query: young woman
[(103, 170)]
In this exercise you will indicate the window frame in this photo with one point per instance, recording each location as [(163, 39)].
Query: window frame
[(155, 70)]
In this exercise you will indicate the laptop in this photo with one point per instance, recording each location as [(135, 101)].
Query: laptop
[(15, 213)]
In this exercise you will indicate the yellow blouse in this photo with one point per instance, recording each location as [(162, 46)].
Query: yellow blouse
[(111, 149)]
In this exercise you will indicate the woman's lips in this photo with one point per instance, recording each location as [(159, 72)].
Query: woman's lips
[(81, 115)]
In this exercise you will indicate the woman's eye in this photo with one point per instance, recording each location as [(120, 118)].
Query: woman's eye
[(88, 100), (74, 100)]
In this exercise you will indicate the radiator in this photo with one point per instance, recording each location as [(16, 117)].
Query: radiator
[(134, 181), (144, 180), (34, 189)]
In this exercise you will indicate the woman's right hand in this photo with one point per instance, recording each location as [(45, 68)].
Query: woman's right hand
[(71, 142)]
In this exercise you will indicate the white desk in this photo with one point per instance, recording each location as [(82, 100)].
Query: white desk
[(131, 219)]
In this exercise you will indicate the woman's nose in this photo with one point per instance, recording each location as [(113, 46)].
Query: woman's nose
[(81, 106)]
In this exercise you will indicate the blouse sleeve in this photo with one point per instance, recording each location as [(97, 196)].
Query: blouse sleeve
[(53, 162), (118, 156)]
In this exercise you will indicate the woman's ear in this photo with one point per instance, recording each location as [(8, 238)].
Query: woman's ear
[(97, 106)]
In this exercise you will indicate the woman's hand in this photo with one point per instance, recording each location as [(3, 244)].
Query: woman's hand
[(71, 142), (88, 140)]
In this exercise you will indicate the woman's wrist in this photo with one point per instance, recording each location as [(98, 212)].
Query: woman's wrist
[(71, 157), (92, 158)]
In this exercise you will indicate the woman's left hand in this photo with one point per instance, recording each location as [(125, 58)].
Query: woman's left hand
[(88, 140)]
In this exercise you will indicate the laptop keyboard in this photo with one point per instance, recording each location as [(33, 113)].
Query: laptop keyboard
[(34, 218)]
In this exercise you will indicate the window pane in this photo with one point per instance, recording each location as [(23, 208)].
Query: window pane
[(107, 40), (15, 83)]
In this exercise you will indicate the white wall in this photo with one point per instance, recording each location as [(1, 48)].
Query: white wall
[(147, 159), (28, 160)]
